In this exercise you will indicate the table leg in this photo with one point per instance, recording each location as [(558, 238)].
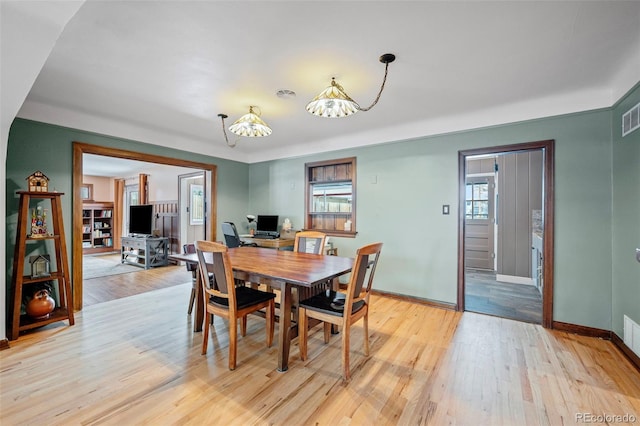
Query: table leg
[(199, 319), (284, 338)]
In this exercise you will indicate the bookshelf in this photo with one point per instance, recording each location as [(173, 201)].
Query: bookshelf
[(97, 227), (59, 273)]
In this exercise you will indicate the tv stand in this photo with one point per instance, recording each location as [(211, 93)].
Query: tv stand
[(146, 252)]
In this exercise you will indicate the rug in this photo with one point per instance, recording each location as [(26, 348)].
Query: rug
[(102, 266)]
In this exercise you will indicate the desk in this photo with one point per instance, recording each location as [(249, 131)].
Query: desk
[(281, 269), (276, 243)]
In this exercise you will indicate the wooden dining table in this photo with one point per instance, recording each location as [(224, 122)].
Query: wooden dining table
[(280, 269)]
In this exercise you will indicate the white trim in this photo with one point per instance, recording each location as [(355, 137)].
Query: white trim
[(513, 279)]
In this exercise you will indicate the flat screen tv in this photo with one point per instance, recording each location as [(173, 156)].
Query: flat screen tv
[(141, 219), (267, 224)]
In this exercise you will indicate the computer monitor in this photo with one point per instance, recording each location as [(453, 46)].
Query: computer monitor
[(267, 224)]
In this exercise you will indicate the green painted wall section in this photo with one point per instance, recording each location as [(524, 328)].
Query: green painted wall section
[(626, 217), (402, 186), (38, 146)]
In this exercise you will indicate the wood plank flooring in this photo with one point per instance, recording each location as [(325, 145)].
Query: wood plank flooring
[(485, 295), (136, 360), (103, 289)]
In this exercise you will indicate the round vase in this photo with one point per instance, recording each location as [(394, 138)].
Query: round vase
[(41, 305)]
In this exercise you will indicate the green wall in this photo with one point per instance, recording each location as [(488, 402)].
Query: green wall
[(38, 146), (401, 187), (413, 179), (626, 217)]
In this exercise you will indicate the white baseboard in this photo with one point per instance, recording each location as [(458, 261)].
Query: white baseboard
[(514, 279)]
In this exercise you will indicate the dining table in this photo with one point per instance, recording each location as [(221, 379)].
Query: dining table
[(280, 269)]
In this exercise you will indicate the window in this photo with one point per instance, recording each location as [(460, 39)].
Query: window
[(477, 201), (330, 202), (196, 205)]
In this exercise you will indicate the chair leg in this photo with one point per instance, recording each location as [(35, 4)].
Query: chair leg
[(327, 331), (243, 326), (365, 326), (233, 342), (205, 334), (302, 333), (271, 320), (346, 375), (192, 300)]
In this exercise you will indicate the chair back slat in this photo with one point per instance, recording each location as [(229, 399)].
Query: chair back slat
[(310, 242), (364, 269), (190, 249), (220, 274)]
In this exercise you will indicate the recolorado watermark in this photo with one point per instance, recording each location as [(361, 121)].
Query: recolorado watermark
[(605, 418)]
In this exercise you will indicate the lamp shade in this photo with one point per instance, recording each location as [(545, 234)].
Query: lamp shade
[(333, 102), (250, 125)]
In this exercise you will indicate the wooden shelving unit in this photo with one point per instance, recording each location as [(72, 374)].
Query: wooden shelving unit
[(97, 227), (63, 311), (330, 196)]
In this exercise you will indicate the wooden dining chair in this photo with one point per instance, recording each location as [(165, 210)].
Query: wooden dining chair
[(225, 299), (310, 242), (341, 309), (193, 268)]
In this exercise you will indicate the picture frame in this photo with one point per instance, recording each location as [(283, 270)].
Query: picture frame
[(86, 192)]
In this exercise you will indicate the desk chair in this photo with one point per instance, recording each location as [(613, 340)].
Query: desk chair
[(330, 308), (228, 301), (231, 237), (193, 268)]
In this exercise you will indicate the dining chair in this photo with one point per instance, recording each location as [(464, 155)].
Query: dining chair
[(341, 309), (193, 268), (225, 299), (310, 242)]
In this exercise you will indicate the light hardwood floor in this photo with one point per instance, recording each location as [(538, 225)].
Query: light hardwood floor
[(136, 361)]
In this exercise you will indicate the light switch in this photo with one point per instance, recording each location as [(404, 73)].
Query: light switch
[(445, 209), (638, 254)]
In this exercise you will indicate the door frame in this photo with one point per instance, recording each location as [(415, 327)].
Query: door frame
[(80, 148), (548, 226)]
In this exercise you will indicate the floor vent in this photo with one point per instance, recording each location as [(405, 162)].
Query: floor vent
[(632, 335), (631, 120)]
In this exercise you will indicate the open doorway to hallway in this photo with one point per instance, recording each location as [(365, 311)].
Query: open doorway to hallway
[(505, 256)]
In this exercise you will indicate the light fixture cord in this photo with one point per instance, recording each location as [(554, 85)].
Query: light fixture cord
[(384, 80), (224, 130)]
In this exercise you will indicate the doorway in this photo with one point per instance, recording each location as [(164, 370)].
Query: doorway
[(501, 260), (191, 204), (79, 149)]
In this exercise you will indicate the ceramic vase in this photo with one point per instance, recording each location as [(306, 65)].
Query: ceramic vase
[(41, 305)]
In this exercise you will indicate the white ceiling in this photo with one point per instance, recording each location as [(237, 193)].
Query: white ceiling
[(160, 71)]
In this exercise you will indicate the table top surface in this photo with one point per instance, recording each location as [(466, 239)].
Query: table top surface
[(303, 269)]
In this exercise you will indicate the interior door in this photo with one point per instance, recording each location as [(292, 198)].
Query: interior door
[(192, 207), (479, 222)]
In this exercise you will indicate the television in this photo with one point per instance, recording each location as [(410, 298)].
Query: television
[(141, 219), (267, 224)]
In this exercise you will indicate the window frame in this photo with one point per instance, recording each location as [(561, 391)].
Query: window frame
[(330, 172)]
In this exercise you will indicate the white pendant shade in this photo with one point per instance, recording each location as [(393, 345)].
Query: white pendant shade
[(250, 125), (333, 102)]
